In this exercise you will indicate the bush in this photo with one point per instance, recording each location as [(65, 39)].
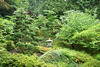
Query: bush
[(20, 60), (20, 44), (10, 45), (97, 56), (76, 22), (93, 63), (30, 46), (68, 57), (6, 28), (57, 58), (2, 50), (88, 38)]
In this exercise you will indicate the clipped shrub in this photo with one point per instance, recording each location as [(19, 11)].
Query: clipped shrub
[(69, 57), (56, 57), (88, 38), (20, 60)]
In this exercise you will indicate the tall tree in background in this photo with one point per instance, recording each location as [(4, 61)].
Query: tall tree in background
[(7, 7), (60, 6)]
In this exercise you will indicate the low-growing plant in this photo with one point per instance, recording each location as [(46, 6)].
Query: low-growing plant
[(93, 63), (69, 57), (56, 57), (20, 60)]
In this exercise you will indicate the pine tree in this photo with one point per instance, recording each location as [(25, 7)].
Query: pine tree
[(24, 29)]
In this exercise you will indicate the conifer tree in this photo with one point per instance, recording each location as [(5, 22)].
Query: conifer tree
[(24, 29)]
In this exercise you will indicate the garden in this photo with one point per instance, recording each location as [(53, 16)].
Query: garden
[(49, 33)]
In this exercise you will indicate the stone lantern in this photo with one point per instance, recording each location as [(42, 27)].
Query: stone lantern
[(49, 42)]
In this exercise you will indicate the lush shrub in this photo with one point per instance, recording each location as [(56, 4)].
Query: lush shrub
[(57, 57), (76, 22), (10, 45), (6, 28), (97, 56), (88, 38), (2, 50), (20, 60), (20, 44), (68, 57), (93, 63)]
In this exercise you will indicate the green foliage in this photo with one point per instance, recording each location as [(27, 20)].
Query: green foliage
[(37, 49), (69, 58), (20, 44), (74, 29), (93, 63), (18, 3), (57, 57), (60, 6), (88, 38), (2, 50), (24, 31), (20, 60), (97, 56), (76, 22), (6, 29), (30, 46), (48, 24), (10, 45), (6, 26)]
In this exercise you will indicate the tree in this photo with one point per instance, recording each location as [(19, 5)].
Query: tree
[(24, 29)]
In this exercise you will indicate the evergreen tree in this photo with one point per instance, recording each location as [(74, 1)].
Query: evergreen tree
[(24, 29)]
